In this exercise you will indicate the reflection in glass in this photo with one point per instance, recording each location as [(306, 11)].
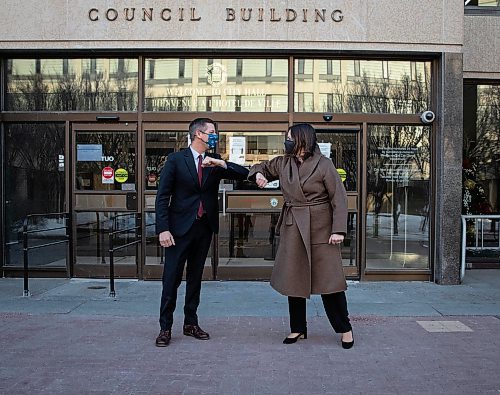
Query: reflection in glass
[(349, 245), (72, 84), (92, 237), (96, 152), (247, 149), (370, 86), (244, 148), (158, 146), (481, 169), (249, 85), (248, 238), (481, 161), (34, 184), (397, 218), (257, 146), (343, 148)]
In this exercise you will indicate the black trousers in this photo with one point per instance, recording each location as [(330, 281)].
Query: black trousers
[(335, 307), (193, 248)]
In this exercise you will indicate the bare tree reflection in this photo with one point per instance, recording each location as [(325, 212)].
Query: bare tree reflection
[(34, 182), (484, 150), (379, 95), (398, 157), (86, 91)]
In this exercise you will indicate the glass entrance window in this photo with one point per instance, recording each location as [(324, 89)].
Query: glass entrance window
[(248, 238), (342, 149), (104, 198), (247, 149), (241, 85), (92, 237), (105, 161), (90, 84), (244, 229), (481, 160), (250, 148), (34, 184), (158, 145), (241, 147), (358, 85), (398, 199)]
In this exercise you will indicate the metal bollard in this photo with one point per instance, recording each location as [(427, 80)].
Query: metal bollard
[(26, 291), (112, 292)]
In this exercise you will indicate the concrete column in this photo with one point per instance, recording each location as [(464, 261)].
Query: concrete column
[(449, 142)]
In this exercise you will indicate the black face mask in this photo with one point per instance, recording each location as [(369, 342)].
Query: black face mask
[(289, 146)]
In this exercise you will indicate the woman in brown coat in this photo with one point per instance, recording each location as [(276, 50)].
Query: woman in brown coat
[(312, 225)]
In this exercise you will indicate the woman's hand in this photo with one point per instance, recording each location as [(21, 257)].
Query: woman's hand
[(260, 180), (336, 239)]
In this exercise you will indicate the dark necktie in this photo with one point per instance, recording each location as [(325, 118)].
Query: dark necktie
[(200, 177)]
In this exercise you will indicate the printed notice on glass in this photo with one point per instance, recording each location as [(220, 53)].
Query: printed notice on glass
[(325, 148), (89, 152), (108, 175), (237, 149)]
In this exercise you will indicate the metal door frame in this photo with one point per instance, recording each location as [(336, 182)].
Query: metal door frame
[(358, 129), (180, 122), (102, 270)]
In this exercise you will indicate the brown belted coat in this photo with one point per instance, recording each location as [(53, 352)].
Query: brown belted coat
[(315, 207)]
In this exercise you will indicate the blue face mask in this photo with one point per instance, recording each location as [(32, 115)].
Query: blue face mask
[(212, 139)]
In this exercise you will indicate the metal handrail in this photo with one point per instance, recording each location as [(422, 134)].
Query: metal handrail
[(27, 248), (477, 218), (112, 248)]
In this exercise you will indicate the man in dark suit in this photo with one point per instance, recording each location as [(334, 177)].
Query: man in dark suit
[(187, 215)]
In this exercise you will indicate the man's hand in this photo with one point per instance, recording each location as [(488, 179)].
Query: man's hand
[(336, 239), (211, 162), (166, 239), (260, 180)]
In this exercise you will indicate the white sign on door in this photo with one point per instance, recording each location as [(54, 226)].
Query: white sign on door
[(237, 149)]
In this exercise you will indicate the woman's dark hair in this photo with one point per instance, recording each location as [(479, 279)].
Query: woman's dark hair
[(304, 136)]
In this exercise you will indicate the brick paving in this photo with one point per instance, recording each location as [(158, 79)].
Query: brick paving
[(61, 354), (70, 338)]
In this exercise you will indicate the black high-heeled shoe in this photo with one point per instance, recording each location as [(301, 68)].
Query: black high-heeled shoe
[(291, 340), (347, 345)]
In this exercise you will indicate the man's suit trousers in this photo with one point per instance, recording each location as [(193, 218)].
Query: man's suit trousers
[(191, 248)]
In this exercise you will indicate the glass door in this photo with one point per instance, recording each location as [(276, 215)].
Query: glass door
[(245, 246), (342, 146), (247, 241), (34, 176), (104, 185), (160, 140), (398, 204)]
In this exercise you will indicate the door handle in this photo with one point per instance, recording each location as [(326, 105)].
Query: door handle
[(224, 202), (132, 201)]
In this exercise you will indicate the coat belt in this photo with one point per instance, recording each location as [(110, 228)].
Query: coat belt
[(287, 214)]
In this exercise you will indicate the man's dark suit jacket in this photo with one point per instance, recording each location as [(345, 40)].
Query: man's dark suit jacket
[(179, 192)]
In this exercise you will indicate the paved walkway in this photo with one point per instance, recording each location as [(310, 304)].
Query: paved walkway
[(411, 338)]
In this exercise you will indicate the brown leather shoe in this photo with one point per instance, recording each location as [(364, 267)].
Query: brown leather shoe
[(163, 338), (196, 332)]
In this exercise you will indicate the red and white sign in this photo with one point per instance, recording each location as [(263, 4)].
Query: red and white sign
[(152, 177), (108, 175)]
